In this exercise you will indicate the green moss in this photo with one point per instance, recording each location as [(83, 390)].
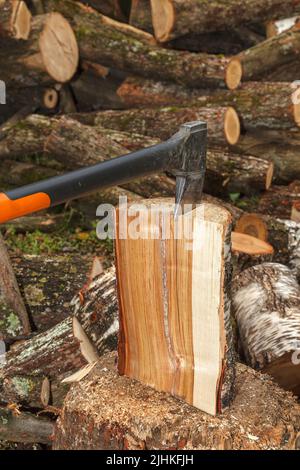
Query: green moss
[(10, 322), (23, 386)]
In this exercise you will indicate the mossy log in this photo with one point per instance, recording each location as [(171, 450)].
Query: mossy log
[(104, 41), (124, 414), (266, 305), (30, 392), (173, 18), (49, 55), (258, 104), (260, 60), (15, 19), (25, 428)]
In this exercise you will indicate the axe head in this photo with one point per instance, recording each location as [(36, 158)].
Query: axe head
[(189, 165)]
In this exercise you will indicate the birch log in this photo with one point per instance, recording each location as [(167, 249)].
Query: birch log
[(172, 336), (266, 305)]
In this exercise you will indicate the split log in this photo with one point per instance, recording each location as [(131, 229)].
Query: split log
[(275, 27), (249, 251), (223, 122), (264, 105), (15, 19), (266, 305), (184, 362), (140, 15), (102, 40), (281, 202), (25, 428), (50, 54), (9, 290), (124, 414), (266, 56), (32, 392), (173, 18)]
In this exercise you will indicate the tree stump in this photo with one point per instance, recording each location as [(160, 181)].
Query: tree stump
[(106, 411)]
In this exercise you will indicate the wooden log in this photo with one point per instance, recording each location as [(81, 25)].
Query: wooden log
[(9, 289), (32, 392), (223, 122), (111, 8), (173, 18), (266, 305), (50, 54), (140, 15), (263, 105), (282, 202), (261, 59), (249, 251), (25, 428), (14, 173), (177, 357), (123, 47), (15, 19), (124, 414), (275, 27)]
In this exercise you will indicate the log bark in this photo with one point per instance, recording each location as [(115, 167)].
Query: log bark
[(15, 19), (223, 122), (30, 392), (263, 105), (173, 18), (282, 202), (113, 45), (125, 414), (25, 428), (140, 15), (263, 58), (14, 173), (10, 291), (266, 305), (111, 8), (177, 358), (50, 54)]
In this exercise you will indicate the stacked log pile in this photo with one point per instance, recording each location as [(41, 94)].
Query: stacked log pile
[(90, 80)]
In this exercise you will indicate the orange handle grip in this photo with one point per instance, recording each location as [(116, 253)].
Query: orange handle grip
[(11, 209)]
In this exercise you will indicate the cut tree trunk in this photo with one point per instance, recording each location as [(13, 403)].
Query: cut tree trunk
[(9, 290), (173, 18), (264, 105), (50, 54), (223, 122), (263, 58), (281, 202), (184, 362), (113, 44), (124, 414), (32, 392), (266, 305), (15, 19), (25, 428)]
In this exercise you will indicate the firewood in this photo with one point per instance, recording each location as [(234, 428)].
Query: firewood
[(173, 18), (25, 428), (32, 392), (14, 173), (280, 26), (223, 122), (282, 202), (249, 251), (105, 41), (140, 15), (15, 19), (50, 54), (184, 362), (124, 414), (111, 8), (266, 56), (263, 105), (266, 305), (9, 289)]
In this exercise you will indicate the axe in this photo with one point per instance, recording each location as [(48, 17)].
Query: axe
[(183, 155)]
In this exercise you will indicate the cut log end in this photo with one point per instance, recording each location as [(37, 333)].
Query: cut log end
[(296, 106), (234, 73), (232, 126), (50, 98), (163, 18), (253, 225), (59, 49), (45, 392), (269, 175), (242, 243), (21, 20)]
